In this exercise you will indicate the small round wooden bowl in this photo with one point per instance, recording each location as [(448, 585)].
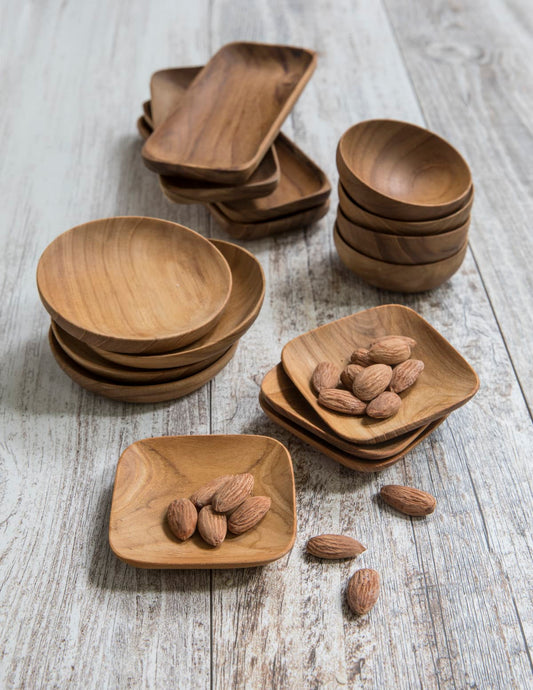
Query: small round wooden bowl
[(401, 249), (402, 171), (398, 277), (360, 216)]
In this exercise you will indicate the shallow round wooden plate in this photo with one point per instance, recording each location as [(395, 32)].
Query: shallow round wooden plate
[(133, 284), (148, 393), (357, 214), (398, 277), (153, 472), (401, 249), (399, 170), (244, 305)]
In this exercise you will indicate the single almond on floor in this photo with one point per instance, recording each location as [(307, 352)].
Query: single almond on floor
[(408, 500), (372, 381), (341, 401), (248, 514), (361, 357), (212, 526), (405, 374), (363, 590), (390, 351), (348, 375), (182, 517), (384, 406), (232, 493), (410, 341), (325, 375), (334, 546), (203, 496)]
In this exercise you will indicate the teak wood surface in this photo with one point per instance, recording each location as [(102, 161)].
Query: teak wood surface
[(456, 604)]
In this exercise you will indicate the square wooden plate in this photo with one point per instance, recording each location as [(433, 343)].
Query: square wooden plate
[(153, 472), (446, 383)]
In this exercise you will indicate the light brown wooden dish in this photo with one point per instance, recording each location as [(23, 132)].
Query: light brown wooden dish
[(302, 185), (143, 127), (402, 171), (242, 309), (147, 393), (398, 277), (231, 113), (402, 249), (90, 360), (446, 383), (335, 453), (283, 397), (167, 88), (133, 284), (358, 215), (153, 472), (253, 231)]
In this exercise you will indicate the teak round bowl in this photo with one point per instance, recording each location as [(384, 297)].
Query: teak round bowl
[(133, 284), (360, 216), (398, 277), (402, 171), (401, 249), (244, 305)]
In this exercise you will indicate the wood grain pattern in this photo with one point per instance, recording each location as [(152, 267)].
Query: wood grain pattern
[(399, 170), (402, 249), (398, 277), (153, 472), (231, 113), (134, 284), (446, 383)]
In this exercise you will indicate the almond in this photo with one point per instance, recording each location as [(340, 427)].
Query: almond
[(232, 493), (334, 546), (372, 381), (325, 375), (384, 338), (349, 373), (363, 590), (182, 517), (408, 500), (360, 356), (212, 526), (390, 351), (405, 374), (385, 405), (341, 401), (248, 514), (203, 496)]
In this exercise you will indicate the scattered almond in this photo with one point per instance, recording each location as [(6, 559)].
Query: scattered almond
[(384, 406), (361, 357), (408, 500), (341, 401), (384, 338), (334, 546), (372, 381), (390, 351), (203, 496), (325, 375), (212, 526), (248, 514), (363, 590), (182, 517), (349, 373), (232, 493), (405, 374)]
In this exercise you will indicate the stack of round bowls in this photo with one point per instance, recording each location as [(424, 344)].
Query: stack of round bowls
[(145, 310), (405, 197)]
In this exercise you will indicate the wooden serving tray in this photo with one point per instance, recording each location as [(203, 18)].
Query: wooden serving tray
[(153, 472), (446, 383), (231, 113)]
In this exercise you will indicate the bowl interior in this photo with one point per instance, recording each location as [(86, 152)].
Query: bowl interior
[(153, 472)]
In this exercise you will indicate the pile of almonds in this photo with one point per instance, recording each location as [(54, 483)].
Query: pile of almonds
[(223, 504), (372, 380)]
